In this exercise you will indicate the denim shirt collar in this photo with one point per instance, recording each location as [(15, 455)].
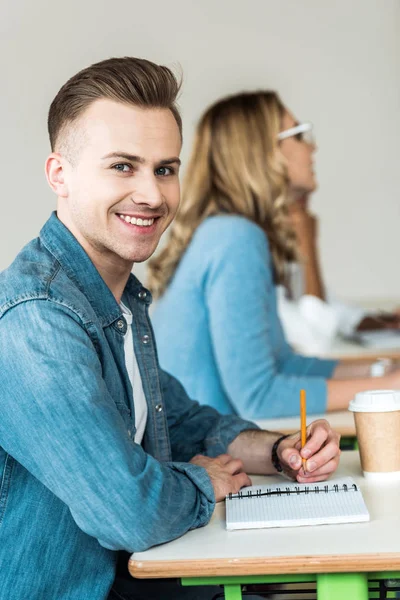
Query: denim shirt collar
[(66, 249)]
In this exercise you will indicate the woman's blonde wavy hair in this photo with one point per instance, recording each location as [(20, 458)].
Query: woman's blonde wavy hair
[(235, 168)]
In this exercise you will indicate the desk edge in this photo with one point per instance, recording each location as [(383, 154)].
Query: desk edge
[(342, 563)]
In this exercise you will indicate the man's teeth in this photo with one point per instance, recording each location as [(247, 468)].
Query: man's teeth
[(139, 222)]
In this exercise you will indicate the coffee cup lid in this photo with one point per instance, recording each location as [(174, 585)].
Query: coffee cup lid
[(376, 401)]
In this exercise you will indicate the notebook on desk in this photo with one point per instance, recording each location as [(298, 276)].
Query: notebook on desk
[(291, 504)]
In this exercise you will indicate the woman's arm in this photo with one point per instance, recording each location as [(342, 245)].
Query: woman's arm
[(305, 225), (260, 374), (340, 392)]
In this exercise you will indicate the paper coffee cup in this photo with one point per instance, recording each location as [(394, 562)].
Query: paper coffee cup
[(377, 419)]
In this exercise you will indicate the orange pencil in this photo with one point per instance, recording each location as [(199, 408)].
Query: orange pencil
[(303, 423)]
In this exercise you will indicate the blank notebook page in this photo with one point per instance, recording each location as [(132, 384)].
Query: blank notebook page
[(292, 504)]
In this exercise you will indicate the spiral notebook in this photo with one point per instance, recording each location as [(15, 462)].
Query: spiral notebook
[(291, 504)]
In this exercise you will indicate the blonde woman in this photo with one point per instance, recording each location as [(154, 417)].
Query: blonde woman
[(312, 317), (216, 319)]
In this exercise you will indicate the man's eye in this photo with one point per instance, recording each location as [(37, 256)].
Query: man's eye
[(122, 167), (164, 171)]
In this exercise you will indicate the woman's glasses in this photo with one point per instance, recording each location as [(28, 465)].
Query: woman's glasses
[(303, 132)]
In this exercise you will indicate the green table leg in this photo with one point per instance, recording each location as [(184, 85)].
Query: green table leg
[(392, 577), (348, 442), (233, 591), (342, 586), (330, 586)]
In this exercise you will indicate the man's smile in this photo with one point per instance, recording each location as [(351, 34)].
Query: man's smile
[(140, 222), (143, 224)]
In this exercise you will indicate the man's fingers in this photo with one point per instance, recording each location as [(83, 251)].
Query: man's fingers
[(230, 485), (291, 457), (326, 469), (318, 433), (199, 459), (235, 465), (224, 458), (302, 479), (321, 451), (231, 465), (324, 456), (241, 480), (320, 474)]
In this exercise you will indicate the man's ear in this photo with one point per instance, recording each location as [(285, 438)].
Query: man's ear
[(55, 174)]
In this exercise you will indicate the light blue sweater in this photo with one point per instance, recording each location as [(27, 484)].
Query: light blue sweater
[(219, 333)]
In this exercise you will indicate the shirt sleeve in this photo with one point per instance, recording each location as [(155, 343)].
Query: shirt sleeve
[(261, 374), (60, 422), (310, 324), (194, 428), (348, 315)]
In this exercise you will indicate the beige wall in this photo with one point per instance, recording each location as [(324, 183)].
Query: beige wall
[(335, 63)]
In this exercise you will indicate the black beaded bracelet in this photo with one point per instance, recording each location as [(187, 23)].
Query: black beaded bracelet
[(274, 454)]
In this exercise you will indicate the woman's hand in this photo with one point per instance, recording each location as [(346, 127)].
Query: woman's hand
[(380, 321)]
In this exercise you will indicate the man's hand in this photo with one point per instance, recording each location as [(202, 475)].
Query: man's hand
[(321, 451), (226, 474)]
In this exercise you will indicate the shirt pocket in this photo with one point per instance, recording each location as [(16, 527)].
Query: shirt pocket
[(6, 467)]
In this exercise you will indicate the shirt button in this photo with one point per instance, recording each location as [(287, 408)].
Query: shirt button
[(158, 407), (120, 324), (145, 339), (142, 294)]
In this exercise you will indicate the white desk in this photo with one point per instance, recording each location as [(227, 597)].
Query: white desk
[(344, 350), (340, 550), (342, 421)]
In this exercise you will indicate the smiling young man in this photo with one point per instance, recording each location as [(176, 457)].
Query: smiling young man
[(101, 452)]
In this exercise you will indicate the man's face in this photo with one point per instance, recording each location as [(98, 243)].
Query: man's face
[(122, 191)]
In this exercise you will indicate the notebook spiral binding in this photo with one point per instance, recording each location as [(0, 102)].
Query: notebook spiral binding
[(326, 489)]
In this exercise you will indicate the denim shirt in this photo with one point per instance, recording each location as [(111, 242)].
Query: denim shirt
[(74, 486)]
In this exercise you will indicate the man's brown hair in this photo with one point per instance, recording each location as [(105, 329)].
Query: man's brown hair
[(128, 80)]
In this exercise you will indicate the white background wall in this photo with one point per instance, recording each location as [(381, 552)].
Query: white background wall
[(335, 63)]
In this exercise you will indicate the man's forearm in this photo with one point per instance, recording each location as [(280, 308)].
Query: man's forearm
[(254, 447)]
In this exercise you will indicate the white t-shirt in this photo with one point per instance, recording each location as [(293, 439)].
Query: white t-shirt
[(135, 378), (311, 324)]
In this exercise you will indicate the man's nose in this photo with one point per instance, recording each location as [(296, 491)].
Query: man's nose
[(147, 191)]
